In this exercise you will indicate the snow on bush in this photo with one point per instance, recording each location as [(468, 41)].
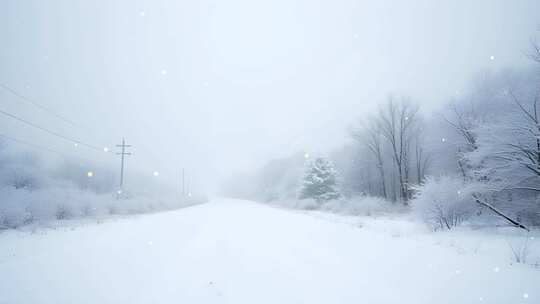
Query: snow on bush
[(33, 189), (362, 205), (23, 206), (444, 202)]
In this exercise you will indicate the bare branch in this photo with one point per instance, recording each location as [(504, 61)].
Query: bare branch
[(499, 213)]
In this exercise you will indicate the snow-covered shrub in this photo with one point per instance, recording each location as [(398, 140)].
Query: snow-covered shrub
[(520, 251), (23, 206), (360, 205), (444, 202), (363, 205), (18, 170), (37, 189)]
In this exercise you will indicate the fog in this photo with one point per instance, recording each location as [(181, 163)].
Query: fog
[(219, 87)]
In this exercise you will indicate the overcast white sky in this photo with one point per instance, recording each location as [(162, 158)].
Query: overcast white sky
[(219, 86)]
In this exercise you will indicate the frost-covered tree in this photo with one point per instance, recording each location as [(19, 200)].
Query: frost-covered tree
[(319, 181), (465, 120), (508, 153)]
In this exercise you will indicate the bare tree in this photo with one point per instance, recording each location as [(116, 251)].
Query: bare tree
[(422, 158), (396, 122), (534, 55), (369, 136)]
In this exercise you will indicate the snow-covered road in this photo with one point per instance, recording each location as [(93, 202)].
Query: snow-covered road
[(232, 251)]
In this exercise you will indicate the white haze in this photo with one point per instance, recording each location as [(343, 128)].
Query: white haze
[(222, 86)]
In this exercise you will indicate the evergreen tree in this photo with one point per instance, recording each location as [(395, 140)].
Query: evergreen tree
[(319, 181)]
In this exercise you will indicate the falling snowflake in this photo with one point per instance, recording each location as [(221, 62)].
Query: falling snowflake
[(76, 144), (356, 36), (150, 243), (156, 173), (496, 269), (492, 57), (443, 139), (105, 149), (142, 13), (90, 174), (458, 271), (306, 155), (525, 295)]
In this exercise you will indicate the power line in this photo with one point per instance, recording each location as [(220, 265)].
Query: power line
[(75, 141), (44, 109), (37, 105), (37, 147), (42, 148)]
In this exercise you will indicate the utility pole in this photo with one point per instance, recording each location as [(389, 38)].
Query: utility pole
[(122, 154), (189, 186), (183, 183)]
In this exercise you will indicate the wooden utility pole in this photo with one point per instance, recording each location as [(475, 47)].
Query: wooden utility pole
[(183, 182), (123, 153), (189, 186)]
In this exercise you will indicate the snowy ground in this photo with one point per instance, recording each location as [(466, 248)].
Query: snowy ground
[(231, 251)]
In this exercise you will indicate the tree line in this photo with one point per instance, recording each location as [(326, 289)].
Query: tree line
[(488, 138), (478, 157)]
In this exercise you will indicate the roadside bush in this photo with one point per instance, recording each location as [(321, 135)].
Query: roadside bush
[(444, 202), (20, 207), (360, 205), (363, 205)]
